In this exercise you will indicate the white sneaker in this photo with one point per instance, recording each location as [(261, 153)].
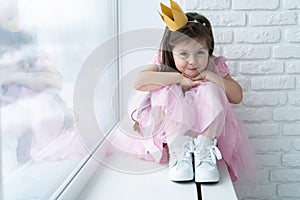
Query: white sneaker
[(181, 162), (205, 160)]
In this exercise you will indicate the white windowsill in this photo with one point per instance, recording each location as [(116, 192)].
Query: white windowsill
[(38, 180), (109, 183), (103, 178)]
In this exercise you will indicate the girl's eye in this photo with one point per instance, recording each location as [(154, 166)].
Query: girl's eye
[(200, 52), (183, 54)]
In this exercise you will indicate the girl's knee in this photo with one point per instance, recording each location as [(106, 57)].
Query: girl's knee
[(173, 89), (211, 90), (167, 95), (207, 86)]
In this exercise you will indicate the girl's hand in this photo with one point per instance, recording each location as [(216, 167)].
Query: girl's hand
[(202, 76), (196, 75), (188, 83)]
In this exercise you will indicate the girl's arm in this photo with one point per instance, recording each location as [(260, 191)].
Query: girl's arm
[(46, 78), (151, 79), (232, 88)]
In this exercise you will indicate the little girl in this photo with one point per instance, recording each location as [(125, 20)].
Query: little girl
[(188, 105), (35, 122)]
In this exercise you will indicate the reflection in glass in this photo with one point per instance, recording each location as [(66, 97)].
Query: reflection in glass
[(39, 61)]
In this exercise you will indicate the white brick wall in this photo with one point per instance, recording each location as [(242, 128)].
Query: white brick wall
[(261, 39)]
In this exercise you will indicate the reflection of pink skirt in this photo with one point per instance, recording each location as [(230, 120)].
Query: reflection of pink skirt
[(168, 111), (41, 114)]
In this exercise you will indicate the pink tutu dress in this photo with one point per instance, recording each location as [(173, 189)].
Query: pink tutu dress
[(169, 111), (43, 117)]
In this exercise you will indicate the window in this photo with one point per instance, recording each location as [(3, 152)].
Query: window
[(52, 62)]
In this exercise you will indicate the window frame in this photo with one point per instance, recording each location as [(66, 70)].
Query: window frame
[(77, 179)]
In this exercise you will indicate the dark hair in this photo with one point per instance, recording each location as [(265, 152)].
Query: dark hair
[(197, 28), (18, 41), (15, 39)]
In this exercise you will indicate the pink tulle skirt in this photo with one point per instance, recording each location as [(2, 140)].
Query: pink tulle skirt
[(169, 112), (43, 115)]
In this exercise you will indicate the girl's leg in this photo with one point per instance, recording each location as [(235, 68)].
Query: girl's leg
[(215, 128), (173, 111), (167, 112), (210, 101), (14, 124), (14, 118)]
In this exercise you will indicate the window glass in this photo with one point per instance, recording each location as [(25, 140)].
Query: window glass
[(45, 48)]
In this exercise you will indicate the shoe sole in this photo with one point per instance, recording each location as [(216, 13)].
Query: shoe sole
[(181, 178), (207, 180)]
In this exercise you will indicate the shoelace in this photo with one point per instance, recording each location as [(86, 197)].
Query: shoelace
[(213, 155), (183, 157)]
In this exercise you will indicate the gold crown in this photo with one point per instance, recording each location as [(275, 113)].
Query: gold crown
[(173, 17)]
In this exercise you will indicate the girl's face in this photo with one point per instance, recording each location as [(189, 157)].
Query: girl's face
[(190, 55), (9, 17)]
